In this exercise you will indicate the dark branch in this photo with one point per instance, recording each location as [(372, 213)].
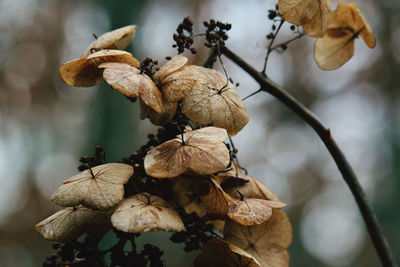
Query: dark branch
[(347, 172)]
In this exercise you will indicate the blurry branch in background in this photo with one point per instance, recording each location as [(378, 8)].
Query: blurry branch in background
[(311, 119)]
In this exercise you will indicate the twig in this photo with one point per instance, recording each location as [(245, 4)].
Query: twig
[(374, 229), (209, 63), (269, 49), (288, 41)]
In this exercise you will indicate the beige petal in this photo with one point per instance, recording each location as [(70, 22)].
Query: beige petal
[(69, 223), (218, 252), (337, 46), (267, 242), (131, 82), (117, 39), (143, 213), (168, 111), (100, 191), (312, 15), (173, 65), (203, 152), (84, 72), (250, 211), (212, 101)]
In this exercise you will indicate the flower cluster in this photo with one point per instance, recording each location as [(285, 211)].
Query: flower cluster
[(335, 30), (185, 170)]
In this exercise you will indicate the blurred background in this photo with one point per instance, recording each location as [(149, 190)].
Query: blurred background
[(45, 126)]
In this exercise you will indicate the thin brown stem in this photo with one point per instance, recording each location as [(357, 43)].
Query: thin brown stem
[(269, 49), (382, 247)]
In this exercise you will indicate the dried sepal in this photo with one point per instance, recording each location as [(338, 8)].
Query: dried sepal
[(84, 72), (173, 65), (312, 15), (99, 188), (144, 213), (337, 46), (70, 223), (267, 242), (168, 111), (118, 39), (250, 211), (201, 152), (218, 252), (131, 82), (214, 100)]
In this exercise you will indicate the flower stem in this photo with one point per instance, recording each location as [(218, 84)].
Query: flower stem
[(381, 245)]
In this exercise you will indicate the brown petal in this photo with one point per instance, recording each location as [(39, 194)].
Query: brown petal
[(117, 39), (250, 211), (218, 252), (69, 223), (173, 65), (267, 242), (100, 191), (84, 72), (131, 82), (202, 153), (167, 112), (143, 213)]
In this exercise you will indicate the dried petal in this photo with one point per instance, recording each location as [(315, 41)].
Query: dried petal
[(100, 188), (203, 152), (250, 211), (118, 39), (337, 46), (144, 213), (173, 65), (312, 15), (84, 72), (69, 223), (267, 242), (168, 111), (131, 82), (213, 100), (218, 252)]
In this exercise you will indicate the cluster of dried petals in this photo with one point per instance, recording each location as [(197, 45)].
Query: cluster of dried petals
[(312, 15), (199, 152), (69, 223), (143, 213), (99, 188), (207, 97), (132, 82), (337, 46), (175, 64), (266, 242), (218, 252)]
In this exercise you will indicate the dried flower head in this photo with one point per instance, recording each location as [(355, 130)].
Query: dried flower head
[(254, 188), (267, 242), (70, 223), (132, 82), (218, 252), (173, 65), (200, 151), (84, 72), (143, 213), (99, 188), (312, 15), (250, 211), (337, 46), (118, 39)]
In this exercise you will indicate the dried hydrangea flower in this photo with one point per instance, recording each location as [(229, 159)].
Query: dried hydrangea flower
[(312, 15), (267, 242), (143, 213), (337, 46), (254, 188), (168, 111), (218, 252), (100, 188), (84, 72), (250, 211), (201, 152), (173, 65), (118, 39), (70, 223), (132, 82)]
